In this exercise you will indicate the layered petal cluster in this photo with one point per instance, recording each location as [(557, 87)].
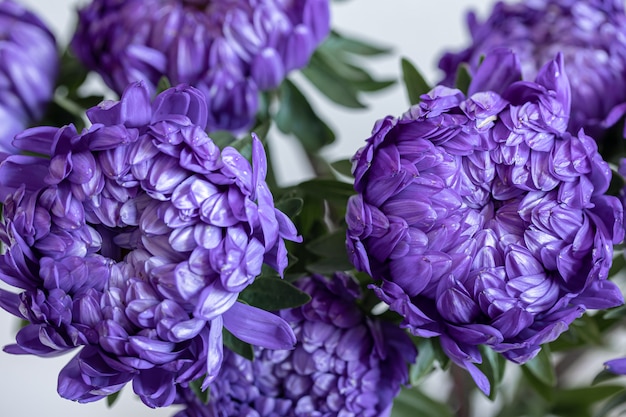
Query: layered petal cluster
[(28, 70), (134, 239), (591, 35), (229, 49), (344, 364), (485, 220)]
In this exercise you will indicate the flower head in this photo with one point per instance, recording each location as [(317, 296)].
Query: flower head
[(344, 363), (485, 220), (591, 35), (230, 50), (134, 240), (28, 70)]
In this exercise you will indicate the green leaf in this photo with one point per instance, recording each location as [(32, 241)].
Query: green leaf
[(542, 368), (588, 330), (340, 67), (272, 293), (328, 245), (338, 42), (112, 398), (244, 146), (163, 84), (330, 84), (615, 313), (411, 402), (330, 265), (618, 400), (331, 190), (413, 81), (196, 387), (619, 262), (237, 345), (222, 138), (604, 376), (580, 397), (295, 115), (545, 391), (88, 102), (72, 73), (262, 129), (493, 367), (540, 374), (463, 78), (425, 362), (344, 167), (372, 85), (290, 206), (332, 250), (583, 331)]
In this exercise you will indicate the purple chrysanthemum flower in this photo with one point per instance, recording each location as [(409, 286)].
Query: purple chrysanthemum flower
[(28, 70), (344, 364), (485, 220), (591, 35), (134, 240), (229, 49)]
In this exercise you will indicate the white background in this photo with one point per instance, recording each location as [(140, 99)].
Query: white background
[(417, 29)]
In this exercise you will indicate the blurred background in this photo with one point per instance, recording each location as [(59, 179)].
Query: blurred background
[(418, 30)]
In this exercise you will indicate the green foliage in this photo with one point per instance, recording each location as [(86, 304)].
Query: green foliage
[(412, 402), (196, 387), (296, 116), (579, 401), (236, 345), (163, 84), (271, 293), (425, 363), (331, 249), (493, 366), (68, 105), (343, 167), (336, 70), (112, 398), (463, 78), (542, 368), (414, 82)]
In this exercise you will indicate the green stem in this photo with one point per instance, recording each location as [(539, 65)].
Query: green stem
[(320, 167), (461, 390)]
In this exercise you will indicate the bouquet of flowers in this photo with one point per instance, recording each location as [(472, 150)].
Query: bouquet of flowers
[(146, 232)]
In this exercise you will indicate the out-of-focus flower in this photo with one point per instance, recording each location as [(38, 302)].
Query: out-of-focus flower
[(591, 35), (134, 240), (344, 364), (228, 49), (28, 70), (485, 220)]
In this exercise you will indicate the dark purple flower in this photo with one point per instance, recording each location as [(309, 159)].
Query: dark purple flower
[(28, 70), (230, 50), (486, 221), (134, 240), (591, 36), (344, 364)]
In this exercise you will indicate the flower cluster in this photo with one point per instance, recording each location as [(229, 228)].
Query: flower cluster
[(486, 220), (134, 239), (230, 50), (591, 36), (28, 70), (344, 364)]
